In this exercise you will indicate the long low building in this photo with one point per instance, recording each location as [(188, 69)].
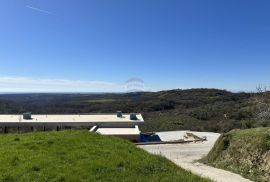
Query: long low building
[(125, 125)]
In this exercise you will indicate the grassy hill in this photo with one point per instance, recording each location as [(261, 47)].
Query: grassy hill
[(246, 152), (194, 109), (82, 156)]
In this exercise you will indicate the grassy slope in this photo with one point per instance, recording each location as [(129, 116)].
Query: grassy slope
[(81, 156), (246, 152)]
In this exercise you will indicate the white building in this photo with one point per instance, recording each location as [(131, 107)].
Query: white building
[(106, 124)]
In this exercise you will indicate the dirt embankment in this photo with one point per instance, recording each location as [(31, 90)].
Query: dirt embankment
[(246, 152)]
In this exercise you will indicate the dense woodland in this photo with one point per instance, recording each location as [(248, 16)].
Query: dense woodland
[(193, 109)]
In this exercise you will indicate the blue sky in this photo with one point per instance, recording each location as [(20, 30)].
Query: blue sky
[(96, 45)]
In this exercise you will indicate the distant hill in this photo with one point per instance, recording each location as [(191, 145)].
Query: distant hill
[(246, 152), (193, 109), (82, 156)]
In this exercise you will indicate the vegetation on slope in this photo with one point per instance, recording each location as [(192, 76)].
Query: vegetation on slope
[(246, 152), (81, 156), (194, 109)]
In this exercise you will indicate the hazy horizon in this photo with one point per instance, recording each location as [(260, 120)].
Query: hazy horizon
[(124, 92)]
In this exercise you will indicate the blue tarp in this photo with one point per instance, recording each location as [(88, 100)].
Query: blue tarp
[(149, 138)]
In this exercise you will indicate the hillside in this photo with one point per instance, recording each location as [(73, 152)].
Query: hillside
[(194, 109), (81, 156), (246, 152)]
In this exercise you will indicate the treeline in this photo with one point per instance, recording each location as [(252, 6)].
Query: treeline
[(194, 109)]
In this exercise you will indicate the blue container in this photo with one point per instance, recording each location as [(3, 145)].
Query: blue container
[(119, 114), (27, 115), (133, 116)]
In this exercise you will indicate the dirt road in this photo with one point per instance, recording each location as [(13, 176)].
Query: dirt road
[(185, 155)]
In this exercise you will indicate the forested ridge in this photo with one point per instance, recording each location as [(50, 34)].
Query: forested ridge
[(194, 109)]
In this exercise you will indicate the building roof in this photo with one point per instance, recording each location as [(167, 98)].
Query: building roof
[(118, 131), (69, 118)]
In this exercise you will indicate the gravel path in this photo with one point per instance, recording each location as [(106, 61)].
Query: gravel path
[(185, 155)]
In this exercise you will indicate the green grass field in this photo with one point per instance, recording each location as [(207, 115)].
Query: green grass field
[(82, 156), (246, 152)]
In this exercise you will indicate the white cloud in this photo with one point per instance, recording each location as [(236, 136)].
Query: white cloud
[(28, 84), (38, 10)]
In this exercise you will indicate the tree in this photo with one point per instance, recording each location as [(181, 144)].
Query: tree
[(262, 104)]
